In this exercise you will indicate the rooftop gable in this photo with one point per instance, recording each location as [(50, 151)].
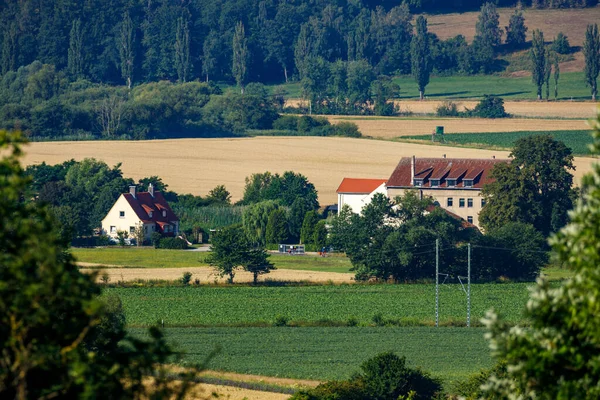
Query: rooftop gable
[(359, 186), (144, 203)]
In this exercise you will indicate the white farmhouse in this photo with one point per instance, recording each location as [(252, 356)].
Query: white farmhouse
[(148, 209), (357, 193)]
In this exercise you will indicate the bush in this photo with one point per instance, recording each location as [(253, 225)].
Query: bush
[(172, 243), (561, 44), (155, 239), (334, 390), (490, 107), (286, 123), (447, 109), (186, 278), (346, 129), (470, 388), (281, 320)]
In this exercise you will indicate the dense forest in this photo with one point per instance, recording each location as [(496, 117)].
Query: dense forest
[(133, 41)]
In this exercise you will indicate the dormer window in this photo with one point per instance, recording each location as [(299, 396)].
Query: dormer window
[(418, 182), (435, 183), (164, 213), (150, 214), (468, 182), (451, 182)]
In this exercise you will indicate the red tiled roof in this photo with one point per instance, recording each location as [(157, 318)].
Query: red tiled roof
[(443, 169), (143, 203), (353, 185)]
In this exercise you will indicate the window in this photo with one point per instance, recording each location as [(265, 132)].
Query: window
[(482, 202), (132, 229), (468, 182), (167, 228), (418, 182), (435, 182), (470, 219), (451, 182), (164, 213), (461, 202), (113, 229), (121, 214), (449, 202), (469, 202), (150, 214)]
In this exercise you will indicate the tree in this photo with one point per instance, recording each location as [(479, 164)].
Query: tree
[(256, 218), (219, 195), (309, 223), (591, 52), (229, 247), (58, 338), (182, 49), (126, 45), (277, 229), (488, 25), (556, 76), (556, 356), (420, 56), (516, 29), (209, 54), (547, 71), (257, 263), (139, 234), (384, 89), (538, 61), (240, 56), (75, 55), (319, 238), (535, 187), (110, 114)]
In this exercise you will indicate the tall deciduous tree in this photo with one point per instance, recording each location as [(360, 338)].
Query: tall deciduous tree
[(257, 262), (556, 76), (420, 56), (228, 250), (488, 25), (126, 46), (538, 61), (516, 29), (75, 55), (182, 49), (535, 187), (556, 356), (277, 229), (209, 55), (547, 71), (240, 56), (591, 52)]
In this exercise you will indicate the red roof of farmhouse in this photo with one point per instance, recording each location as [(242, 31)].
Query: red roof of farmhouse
[(354, 185), (443, 169), (143, 203)]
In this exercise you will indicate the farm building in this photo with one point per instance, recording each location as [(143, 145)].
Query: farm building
[(357, 193), (148, 209), (454, 183)]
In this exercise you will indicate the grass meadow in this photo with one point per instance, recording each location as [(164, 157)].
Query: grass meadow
[(578, 141), (326, 305), (332, 353)]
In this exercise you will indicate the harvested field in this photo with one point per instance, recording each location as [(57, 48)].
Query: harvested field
[(233, 393), (571, 22), (207, 274), (393, 127), (198, 165), (560, 109)]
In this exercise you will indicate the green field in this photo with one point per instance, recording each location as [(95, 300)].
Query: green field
[(578, 141), (316, 305), (570, 87), (159, 258), (332, 353)]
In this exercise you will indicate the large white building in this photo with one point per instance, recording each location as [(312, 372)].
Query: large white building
[(357, 193)]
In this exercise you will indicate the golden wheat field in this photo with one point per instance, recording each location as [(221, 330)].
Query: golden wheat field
[(560, 109), (393, 127), (198, 165)]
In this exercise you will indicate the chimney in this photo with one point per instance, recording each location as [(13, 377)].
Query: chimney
[(444, 156), (132, 190), (151, 189), (413, 165)]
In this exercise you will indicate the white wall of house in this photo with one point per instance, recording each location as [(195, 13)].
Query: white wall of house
[(357, 201), (121, 217)]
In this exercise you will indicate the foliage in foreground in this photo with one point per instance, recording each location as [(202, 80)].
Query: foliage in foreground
[(557, 357), (57, 338)]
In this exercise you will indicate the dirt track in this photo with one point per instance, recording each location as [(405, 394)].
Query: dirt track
[(207, 275)]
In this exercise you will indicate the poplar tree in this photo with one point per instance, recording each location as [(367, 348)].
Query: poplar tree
[(556, 76), (591, 52), (240, 56), (209, 54), (75, 54), (538, 61), (547, 72), (182, 49), (420, 56), (125, 43)]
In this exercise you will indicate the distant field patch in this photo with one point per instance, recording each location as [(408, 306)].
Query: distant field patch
[(317, 305), (333, 353), (578, 140)]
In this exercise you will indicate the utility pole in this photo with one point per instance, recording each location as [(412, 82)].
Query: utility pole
[(469, 285), (437, 282)]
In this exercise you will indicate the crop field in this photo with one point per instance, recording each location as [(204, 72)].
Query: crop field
[(160, 258), (578, 141), (333, 353), (317, 305), (198, 165)]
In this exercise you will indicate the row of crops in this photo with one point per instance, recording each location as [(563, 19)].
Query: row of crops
[(362, 305)]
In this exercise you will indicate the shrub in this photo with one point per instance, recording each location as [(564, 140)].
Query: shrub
[(470, 388), (155, 239), (490, 107), (338, 390), (346, 129), (447, 109), (286, 123), (561, 44), (186, 278), (172, 243), (281, 320), (306, 123)]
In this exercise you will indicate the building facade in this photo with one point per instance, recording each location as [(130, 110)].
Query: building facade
[(356, 193)]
